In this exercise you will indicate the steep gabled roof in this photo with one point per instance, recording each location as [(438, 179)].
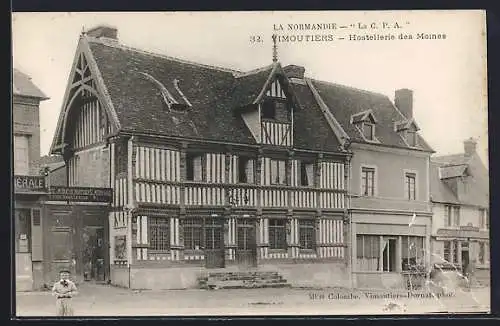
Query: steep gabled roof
[(248, 86), (140, 105), (344, 102), (22, 85)]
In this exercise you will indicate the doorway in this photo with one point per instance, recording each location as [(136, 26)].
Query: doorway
[(389, 255), (465, 261), (246, 253), (93, 253), (214, 243)]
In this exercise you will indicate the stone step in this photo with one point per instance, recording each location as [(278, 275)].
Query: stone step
[(248, 279)]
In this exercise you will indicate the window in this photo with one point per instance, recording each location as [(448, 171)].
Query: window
[(368, 252), (389, 255), (245, 170), (412, 253), (411, 138), (194, 167), (193, 233), (451, 252), (277, 234), (23, 230), (483, 218), (269, 110), (306, 174), (159, 233), (307, 234), (456, 215), (448, 215), (368, 131), (278, 172), (447, 251), (410, 188), (367, 181), (482, 253), (21, 155)]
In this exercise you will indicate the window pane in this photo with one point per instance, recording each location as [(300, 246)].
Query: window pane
[(368, 131), (277, 234), (159, 233), (306, 234), (192, 233)]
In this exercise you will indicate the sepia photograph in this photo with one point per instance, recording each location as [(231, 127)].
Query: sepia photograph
[(250, 163)]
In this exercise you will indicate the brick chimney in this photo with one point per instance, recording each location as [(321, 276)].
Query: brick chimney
[(470, 146), (403, 99), (293, 71), (106, 31)]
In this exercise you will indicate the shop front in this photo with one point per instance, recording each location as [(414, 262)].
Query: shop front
[(29, 192)]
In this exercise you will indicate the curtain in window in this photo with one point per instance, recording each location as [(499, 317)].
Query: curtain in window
[(368, 252)]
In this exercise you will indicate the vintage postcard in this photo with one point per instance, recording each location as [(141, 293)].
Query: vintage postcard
[(250, 163)]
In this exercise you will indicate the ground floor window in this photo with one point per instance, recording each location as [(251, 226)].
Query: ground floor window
[(450, 251), (368, 252), (23, 229), (389, 254), (412, 253), (193, 233), (159, 233), (307, 234), (277, 234)]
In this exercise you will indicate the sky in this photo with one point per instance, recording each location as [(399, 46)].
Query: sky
[(447, 76)]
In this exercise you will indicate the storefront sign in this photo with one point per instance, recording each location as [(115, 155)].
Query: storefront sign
[(81, 194), (29, 183)]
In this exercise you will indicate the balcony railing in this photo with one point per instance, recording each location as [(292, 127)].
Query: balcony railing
[(237, 195)]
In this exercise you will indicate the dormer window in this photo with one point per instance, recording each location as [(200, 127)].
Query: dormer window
[(275, 109), (408, 129), (368, 131), (411, 138), (365, 122)]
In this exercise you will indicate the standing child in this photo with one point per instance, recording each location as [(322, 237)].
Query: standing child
[(64, 290)]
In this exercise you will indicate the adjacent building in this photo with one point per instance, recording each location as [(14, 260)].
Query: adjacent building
[(460, 199), (212, 169), (390, 212), (29, 186)]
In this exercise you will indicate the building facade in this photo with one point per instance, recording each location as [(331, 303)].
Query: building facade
[(212, 169), (460, 199), (29, 186), (390, 212)]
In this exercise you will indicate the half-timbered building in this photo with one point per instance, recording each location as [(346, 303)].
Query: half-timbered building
[(212, 169)]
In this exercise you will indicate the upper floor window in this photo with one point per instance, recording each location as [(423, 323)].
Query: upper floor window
[(194, 167), (245, 170), (482, 253), (367, 181), (275, 109), (452, 215), (21, 155), (410, 186), (278, 172), (306, 174), (483, 218)]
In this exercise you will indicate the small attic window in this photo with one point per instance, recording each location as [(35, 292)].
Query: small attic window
[(412, 138), (368, 130), (408, 130), (365, 122)]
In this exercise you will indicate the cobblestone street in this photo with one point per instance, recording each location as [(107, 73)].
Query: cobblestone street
[(102, 300)]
